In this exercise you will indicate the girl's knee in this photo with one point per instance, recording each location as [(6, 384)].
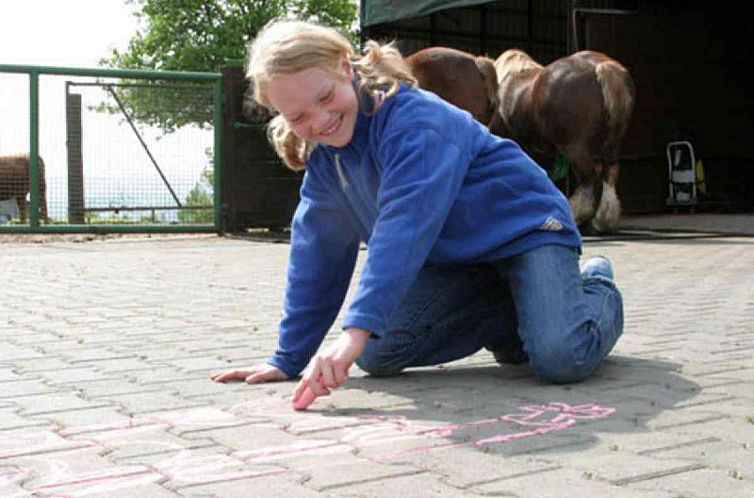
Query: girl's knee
[(378, 367), (561, 370), (389, 354)]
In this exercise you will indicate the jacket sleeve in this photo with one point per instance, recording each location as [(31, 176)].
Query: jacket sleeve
[(422, 173), (323, 252)]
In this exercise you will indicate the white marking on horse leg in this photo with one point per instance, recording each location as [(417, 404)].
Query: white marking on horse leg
[(582, 204), (608, 212)]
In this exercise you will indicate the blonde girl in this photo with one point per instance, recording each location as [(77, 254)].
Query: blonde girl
[(470, 246)]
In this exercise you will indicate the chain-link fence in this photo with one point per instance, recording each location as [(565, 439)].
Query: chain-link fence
[(108, 150)]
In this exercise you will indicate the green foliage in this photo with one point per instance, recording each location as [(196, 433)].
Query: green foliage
[(202, 35), (199, 196), (167, 105), (117, 218)]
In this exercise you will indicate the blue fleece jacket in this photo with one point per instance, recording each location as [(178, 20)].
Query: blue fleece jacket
[(421, 182)]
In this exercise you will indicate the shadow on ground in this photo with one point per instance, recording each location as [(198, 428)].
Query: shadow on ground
[(506, 410)]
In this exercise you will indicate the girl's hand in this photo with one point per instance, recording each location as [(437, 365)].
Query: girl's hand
[(251, 375), (330, 370)]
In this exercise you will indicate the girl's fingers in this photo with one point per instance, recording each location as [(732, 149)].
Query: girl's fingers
[(313, 372), (230, 375), (255, 378), (341, 377), (253, 375), (328, 376)]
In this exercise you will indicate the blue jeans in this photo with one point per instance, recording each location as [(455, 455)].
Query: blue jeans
[(565, 323)]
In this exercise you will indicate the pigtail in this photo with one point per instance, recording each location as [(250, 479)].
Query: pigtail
[(382, 70), (293, 150)]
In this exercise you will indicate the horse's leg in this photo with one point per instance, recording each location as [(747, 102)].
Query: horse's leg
[(588, 191), (608, 213)]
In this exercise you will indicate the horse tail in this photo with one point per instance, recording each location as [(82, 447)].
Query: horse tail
[(617, 92), (514, 61), (486, 66)]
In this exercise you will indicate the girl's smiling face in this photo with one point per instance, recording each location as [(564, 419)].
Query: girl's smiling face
[(318, 105)]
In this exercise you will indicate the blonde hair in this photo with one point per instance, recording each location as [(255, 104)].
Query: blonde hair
[(285, 47)]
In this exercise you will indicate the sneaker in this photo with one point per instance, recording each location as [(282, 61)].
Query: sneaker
[(510, 351), (510, 356), (598, 266)]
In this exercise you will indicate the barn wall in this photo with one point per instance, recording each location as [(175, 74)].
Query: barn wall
[(258, 190), (686, 63), (686, 57)]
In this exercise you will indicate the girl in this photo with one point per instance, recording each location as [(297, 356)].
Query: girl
[(470, 245)]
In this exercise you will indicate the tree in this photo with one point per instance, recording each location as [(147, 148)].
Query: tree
[(200, 196), (203, 35)]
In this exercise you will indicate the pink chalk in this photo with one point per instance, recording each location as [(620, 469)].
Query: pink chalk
[(306, 399)]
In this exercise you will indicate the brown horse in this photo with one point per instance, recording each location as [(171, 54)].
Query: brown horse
[(14, 183), (465, 80), (578, 106), (252, 110)]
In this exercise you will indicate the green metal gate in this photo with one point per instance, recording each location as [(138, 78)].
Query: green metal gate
[(109, 150)]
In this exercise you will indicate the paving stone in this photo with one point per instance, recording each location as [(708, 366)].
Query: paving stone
[(44, 404), (561, 483), (700, 482), (149, 401), (48, 473), (14, 389), (192, 470), (10, 353), (199, 363), (128, 487), (8, 374), (272, 483), (418, 483), (198, 422), (30, 366), (674, 398), (62, 376), (34, 441), (736, 429), (10, 419), (83, 419), (10, 478), (122, 365), (156, 374), (140, 439), (736, 459), (115, 384)]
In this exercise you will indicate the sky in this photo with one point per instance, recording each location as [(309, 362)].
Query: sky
[(63, 32), (79, 33)]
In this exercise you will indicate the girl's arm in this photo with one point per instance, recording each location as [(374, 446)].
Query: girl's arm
[(324, 247), (423, 170)]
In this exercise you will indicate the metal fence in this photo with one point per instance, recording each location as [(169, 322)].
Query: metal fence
[(109, 150)]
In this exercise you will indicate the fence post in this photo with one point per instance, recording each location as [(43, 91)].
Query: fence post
[(219, 98), (75, 158), (33, 149)]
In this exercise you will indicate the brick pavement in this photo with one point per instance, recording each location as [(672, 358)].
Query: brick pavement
[(106, 348)]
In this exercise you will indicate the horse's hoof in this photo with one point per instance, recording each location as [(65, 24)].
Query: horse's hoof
[(587, 229)]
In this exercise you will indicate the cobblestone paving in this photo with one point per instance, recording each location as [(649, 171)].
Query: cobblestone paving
[(106, 348)]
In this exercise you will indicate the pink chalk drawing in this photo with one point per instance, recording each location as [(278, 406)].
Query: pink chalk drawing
[(183, 466), (540, 419)]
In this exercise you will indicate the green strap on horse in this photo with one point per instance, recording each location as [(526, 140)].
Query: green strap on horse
[(559, 169)]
